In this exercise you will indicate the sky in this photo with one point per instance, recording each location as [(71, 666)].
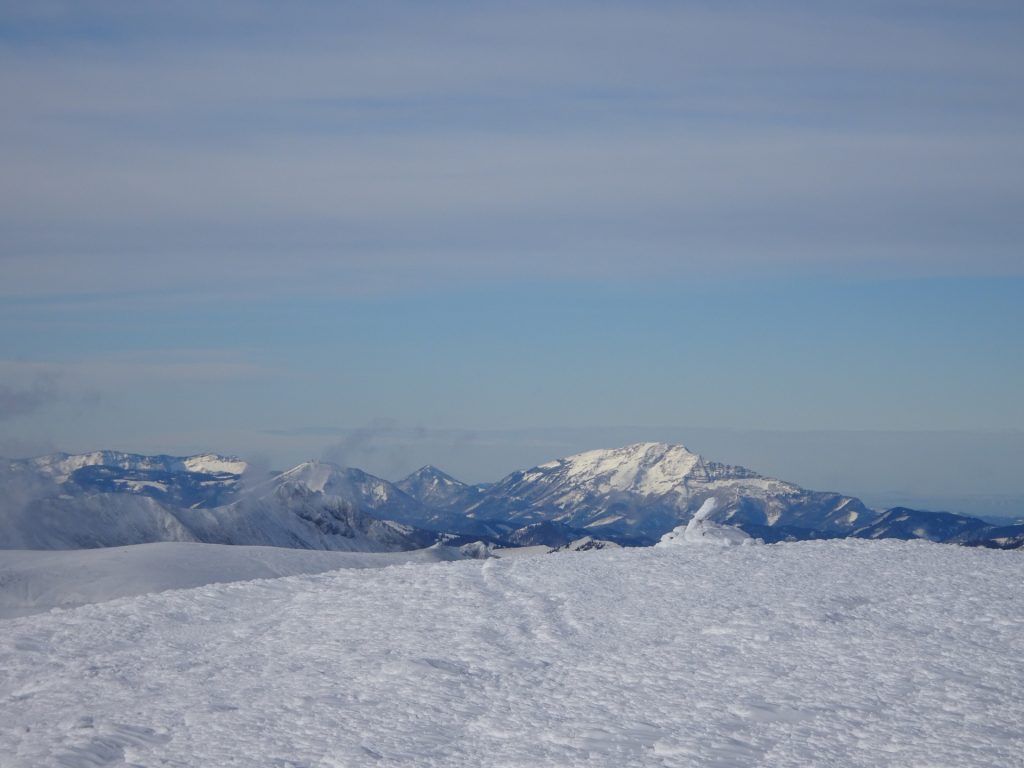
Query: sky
[(393, 233)]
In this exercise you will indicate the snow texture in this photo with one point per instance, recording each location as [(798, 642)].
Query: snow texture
[(701, 530), (839, 653), (36, 581)]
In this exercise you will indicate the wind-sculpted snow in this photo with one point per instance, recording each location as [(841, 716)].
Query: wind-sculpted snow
[(34, 581), (701, 530), (842, 653)]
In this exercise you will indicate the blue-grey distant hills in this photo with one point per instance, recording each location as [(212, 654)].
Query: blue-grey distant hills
[(629, 496)]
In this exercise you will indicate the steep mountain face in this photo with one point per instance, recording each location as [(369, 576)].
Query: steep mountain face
[(382, 499), (439, 490), (88, 521), (637, 493), (291, 514), (360, 489)]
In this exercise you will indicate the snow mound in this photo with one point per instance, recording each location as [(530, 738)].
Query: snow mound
[(701, 530)]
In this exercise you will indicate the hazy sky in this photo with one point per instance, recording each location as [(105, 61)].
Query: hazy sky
[(226, 226)]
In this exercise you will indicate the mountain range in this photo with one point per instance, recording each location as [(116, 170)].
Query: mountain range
[(627, 496)]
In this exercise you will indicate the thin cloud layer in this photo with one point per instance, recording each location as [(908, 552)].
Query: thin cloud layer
[(24, 400), (225, 221), (329, 147)]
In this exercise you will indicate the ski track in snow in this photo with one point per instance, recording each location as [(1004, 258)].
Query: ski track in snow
[(844, 653)]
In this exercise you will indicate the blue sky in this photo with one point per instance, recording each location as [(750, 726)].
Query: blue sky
[(229, 227)]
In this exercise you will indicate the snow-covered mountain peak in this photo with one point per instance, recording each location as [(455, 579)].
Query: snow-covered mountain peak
[(315, 475), (429, 476), (437, 489), (294, 490), (636, 493), (643, 468), (363, 491), (335, 480)]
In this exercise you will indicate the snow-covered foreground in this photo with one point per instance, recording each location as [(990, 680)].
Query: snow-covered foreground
[(34, 581), (843, 653)]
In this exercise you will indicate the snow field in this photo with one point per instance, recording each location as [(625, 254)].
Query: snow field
[(35, 581), (841, 653)]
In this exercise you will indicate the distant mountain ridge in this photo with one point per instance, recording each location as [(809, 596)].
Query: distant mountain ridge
[(639, 492), (631, 495), (203, 480), (636, 493), (73, 502), (61, 466)]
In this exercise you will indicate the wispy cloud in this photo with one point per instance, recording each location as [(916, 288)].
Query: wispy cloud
[(331, 147), (27, 399), (486, 214), (133, 369)]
